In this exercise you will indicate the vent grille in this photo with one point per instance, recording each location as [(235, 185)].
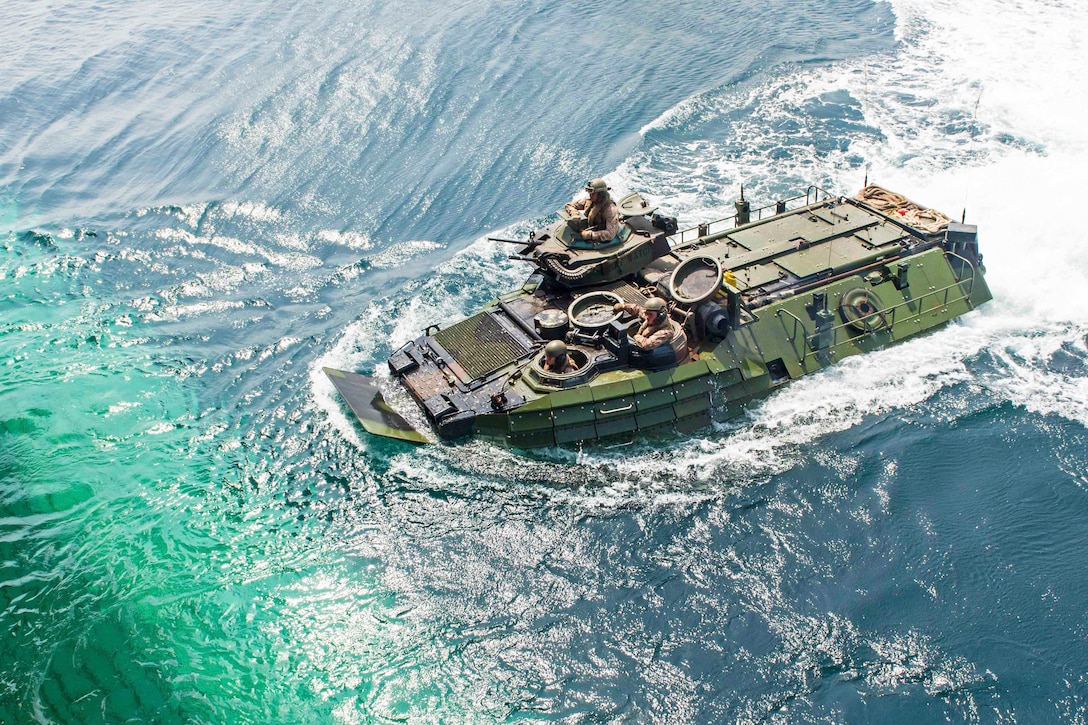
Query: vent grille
[(480, 345), (626, 292)]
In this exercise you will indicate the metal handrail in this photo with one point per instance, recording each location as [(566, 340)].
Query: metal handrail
[(974, 272), (889, 312), (798, 320), (814, 194)]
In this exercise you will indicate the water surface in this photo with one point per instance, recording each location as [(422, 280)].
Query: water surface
[(200, 207)]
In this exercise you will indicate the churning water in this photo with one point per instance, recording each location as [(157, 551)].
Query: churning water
[(203, 205)]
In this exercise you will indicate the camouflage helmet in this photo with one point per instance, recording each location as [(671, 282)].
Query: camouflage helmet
[(555, 349), (655, 304), (595, 185)]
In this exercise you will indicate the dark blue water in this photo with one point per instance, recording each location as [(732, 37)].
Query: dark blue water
[(200, 207)]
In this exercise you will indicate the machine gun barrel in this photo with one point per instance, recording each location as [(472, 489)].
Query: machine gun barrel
[(532, 242)]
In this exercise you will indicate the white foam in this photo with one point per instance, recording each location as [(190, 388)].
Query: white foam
[(1009, 156), (349, 239), (1030, 67), (353, 348), (1021, 195), (973, 114), (399, 253), (176, 312)]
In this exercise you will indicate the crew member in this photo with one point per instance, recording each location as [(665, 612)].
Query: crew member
[(595, 217), (656, 329), (556, 359)]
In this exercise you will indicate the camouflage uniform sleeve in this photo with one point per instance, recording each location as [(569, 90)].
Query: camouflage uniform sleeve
[(632, 309), (658, 339), (611, 225), (574, 207)]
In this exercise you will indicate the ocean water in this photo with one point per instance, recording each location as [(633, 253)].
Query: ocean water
[(203, 205)]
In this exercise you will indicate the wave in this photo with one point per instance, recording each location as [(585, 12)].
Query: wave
[(936, 118)]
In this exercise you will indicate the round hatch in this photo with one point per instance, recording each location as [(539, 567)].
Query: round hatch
[(551, 324), (695, 279), (634, 205), (863, 310), (594, 309)]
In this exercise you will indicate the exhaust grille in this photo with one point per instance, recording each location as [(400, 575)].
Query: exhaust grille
[(480, 344), (626, 292)]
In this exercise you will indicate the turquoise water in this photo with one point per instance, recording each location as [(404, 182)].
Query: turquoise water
[(201, 207)]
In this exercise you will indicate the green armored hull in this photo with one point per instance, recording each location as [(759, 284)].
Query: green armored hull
[(754, 301)]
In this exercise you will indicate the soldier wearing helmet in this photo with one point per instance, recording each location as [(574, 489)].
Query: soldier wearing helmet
[(556, 359), (596, 217), (656, 329)]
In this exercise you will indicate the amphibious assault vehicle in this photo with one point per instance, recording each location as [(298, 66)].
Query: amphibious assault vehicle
[(754, 300)]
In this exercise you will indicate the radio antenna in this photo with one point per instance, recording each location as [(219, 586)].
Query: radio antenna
[(967, 183)]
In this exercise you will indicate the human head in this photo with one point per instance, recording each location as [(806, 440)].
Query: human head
[(597, 186), (655, 305), (555, 350)]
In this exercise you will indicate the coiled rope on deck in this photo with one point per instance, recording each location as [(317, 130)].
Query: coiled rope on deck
[(892, 204)]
